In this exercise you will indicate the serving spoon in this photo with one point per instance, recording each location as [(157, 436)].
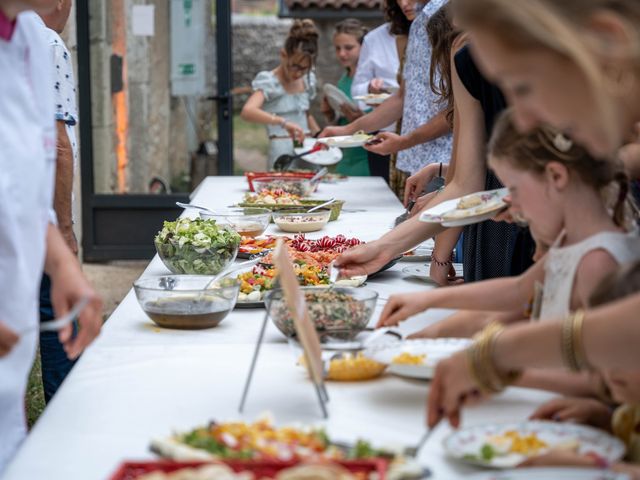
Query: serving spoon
[(195, 207), (322, 205)]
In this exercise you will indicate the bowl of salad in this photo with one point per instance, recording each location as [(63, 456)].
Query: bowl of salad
[(337, 313), (197, 246)]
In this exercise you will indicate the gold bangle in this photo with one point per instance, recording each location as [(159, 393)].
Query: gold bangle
[(481, 365), (568, 343), (578, 345)]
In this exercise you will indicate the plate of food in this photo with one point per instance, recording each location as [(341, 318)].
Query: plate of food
[(556, 473), (467, 210), (509, 444), (416, 358), (373, 99), (280, 202), (422, 272), (358, 139), (421, 253)]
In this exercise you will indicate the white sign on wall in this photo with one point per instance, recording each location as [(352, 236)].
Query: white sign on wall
[(143, 21), (188, 37)]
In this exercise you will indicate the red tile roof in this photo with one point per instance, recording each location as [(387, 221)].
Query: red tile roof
[(335, 4)]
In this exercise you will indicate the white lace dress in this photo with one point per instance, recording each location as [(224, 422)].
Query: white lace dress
[(562, 263)]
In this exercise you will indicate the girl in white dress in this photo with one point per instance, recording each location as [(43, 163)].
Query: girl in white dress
[(559, 189)]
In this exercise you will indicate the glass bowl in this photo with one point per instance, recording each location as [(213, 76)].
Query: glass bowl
[(295, 186), (300, 221), (207, 252), (181, 302), (337, 313), (247, 221)]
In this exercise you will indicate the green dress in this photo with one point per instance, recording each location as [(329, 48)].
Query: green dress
[(354, 161)]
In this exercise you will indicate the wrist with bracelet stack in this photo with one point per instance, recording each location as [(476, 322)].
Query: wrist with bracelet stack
[(481, 365), (573, 352)]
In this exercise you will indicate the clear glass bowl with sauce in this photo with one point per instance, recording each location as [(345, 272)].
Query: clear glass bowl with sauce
[(181, 301), (247, 221)]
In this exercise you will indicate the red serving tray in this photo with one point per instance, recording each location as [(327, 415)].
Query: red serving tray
[(261, 468), (251, 176)]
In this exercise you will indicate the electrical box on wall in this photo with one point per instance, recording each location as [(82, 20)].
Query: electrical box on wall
[(188, 36)]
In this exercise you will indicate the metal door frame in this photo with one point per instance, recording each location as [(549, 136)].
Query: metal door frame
[(112, 224)]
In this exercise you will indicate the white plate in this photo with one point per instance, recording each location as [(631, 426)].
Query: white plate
[(466, 444), (323, 157), (449, 215), (421, 272), (373, 98), (346, 141), (557, 473), (434, 349), (337, 98), (422, 253)]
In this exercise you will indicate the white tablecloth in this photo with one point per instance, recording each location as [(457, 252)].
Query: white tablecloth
[(139, 382)]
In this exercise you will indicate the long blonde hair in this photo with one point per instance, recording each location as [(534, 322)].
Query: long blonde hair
[(558, 26)]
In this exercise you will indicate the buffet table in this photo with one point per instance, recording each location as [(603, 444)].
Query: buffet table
[(138, 382)]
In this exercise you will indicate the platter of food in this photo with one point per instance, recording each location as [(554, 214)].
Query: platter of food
[(368, 469), (507, 445), (416, 358), (250, 246), (373, 99), (279, 201), (347, 141), (467, 210), (238, 443)]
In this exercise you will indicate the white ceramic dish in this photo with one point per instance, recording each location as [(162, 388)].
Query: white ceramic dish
[(422, 253), (337, 98), (556, 473), (421, 272), (373, 99), (467, 444), (434, 350), (346, 141), (486, 205)]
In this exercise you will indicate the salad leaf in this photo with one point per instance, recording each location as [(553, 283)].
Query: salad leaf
[(487, 452)]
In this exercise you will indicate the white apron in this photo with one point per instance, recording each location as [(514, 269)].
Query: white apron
[(27, 164)]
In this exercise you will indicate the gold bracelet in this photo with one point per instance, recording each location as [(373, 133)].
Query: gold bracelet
[(568, 344), (578, 345), (481, 365)]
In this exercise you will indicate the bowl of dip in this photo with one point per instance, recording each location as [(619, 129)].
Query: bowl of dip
[(300, 221), (247, 221)]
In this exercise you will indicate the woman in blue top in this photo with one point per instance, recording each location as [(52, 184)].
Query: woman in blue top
[(281, 97)]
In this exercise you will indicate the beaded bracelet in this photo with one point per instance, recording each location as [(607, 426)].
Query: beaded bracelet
[(442, 264)]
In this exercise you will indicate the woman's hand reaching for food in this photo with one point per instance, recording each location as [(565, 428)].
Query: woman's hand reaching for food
[(401, 307), (363, 259), (588, 411), (335, 131), (417, 182)]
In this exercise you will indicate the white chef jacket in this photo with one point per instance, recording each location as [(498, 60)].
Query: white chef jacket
[(378, 59), (27, 169)]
